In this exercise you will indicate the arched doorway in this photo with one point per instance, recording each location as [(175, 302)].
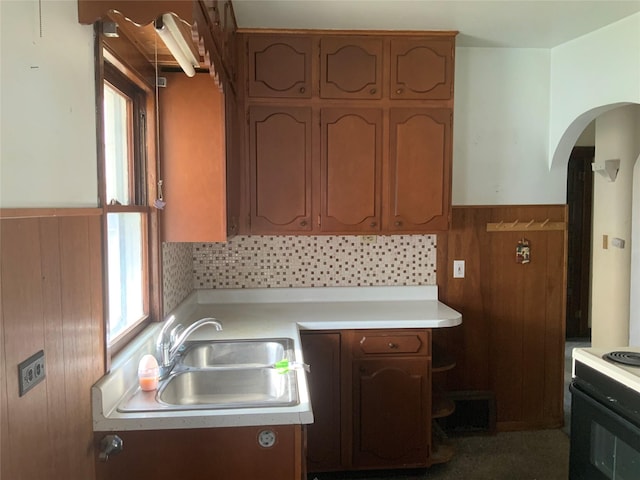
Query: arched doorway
[(609, 290)]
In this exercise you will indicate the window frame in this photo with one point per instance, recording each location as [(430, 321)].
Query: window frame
[(113, 65)]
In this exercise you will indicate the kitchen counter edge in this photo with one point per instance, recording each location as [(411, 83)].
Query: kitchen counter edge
[(283, 313)]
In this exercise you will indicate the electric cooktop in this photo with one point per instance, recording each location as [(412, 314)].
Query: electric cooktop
[(621, 364)]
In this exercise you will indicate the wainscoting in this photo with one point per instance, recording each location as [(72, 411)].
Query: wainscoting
[(51, 294), (512, 337)]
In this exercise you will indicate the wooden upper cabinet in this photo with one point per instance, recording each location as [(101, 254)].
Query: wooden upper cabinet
[(422, 68), (351, 67), (279, 66), (280, 169), (193, 153), (419, 169), (234, 165), (351, 163), (365, 139)]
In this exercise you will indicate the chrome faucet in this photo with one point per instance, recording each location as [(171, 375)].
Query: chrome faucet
[(171, 339)]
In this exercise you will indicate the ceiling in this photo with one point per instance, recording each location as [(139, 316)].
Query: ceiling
[(481, 23)]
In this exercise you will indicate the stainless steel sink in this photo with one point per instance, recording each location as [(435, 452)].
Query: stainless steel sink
[(240, 353), (223, 375), (236, 388)]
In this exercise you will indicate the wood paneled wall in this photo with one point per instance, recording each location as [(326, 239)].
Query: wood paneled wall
[(511, 340), (51, 293)]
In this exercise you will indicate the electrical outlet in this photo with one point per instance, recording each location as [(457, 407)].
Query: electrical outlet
[(458, 269), (31, 372)]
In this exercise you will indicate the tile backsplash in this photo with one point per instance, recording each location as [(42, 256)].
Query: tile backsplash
[(298, 261), (177, 276)]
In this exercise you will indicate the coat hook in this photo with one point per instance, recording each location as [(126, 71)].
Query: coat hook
[(544, 223), (515, 223), (529, 224)]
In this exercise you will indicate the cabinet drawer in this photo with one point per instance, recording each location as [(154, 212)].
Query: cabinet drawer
[(371, 342)]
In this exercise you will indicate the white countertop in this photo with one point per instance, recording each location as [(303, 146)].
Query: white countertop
[(264, 313), (592, 357)]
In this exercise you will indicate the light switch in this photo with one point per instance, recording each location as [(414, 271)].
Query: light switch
[(458, 269)]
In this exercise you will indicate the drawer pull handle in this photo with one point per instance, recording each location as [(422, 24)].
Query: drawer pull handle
[(302, 90), (393, 345)]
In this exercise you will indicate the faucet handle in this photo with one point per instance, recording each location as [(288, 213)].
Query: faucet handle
[(175, 333)]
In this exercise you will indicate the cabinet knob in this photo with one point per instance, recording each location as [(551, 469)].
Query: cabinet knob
[(303, 223), (373, 91), (399, 91), (373, 224), (393, 345), (398, 223), (302, 90)]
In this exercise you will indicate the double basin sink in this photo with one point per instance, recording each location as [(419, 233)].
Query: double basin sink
[(222, 375)]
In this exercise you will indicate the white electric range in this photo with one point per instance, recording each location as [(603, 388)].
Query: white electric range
[(600, 359), (605, 414)]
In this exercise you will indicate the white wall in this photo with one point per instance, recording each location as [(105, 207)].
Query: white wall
[(501, 127), (588, 136), (617, 134), (634, 314), (591, 75), (48, 133)]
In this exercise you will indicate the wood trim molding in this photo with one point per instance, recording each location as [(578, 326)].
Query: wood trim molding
[(11, 213), (361, 33)]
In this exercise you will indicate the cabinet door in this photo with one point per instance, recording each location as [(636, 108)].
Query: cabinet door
[(422, 68), (279, 66), (280, 169), (391, 412), (204, 454), (350, 67), (419, 170), (192, 123), (322, 352), (351, 165)]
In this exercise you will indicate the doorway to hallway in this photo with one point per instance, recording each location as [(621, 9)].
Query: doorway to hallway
[(580, 204)]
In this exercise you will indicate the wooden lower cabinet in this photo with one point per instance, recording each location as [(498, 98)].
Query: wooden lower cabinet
[(205, 453), (391, 412), (324, 445), (371, 399)]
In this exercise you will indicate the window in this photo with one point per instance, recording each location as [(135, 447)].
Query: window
[(125, 202)]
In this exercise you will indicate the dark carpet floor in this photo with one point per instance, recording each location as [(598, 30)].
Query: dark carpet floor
[(532, 455)]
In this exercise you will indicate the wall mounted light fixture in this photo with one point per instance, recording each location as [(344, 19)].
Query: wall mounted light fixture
[(169, 32), (607, 168)]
